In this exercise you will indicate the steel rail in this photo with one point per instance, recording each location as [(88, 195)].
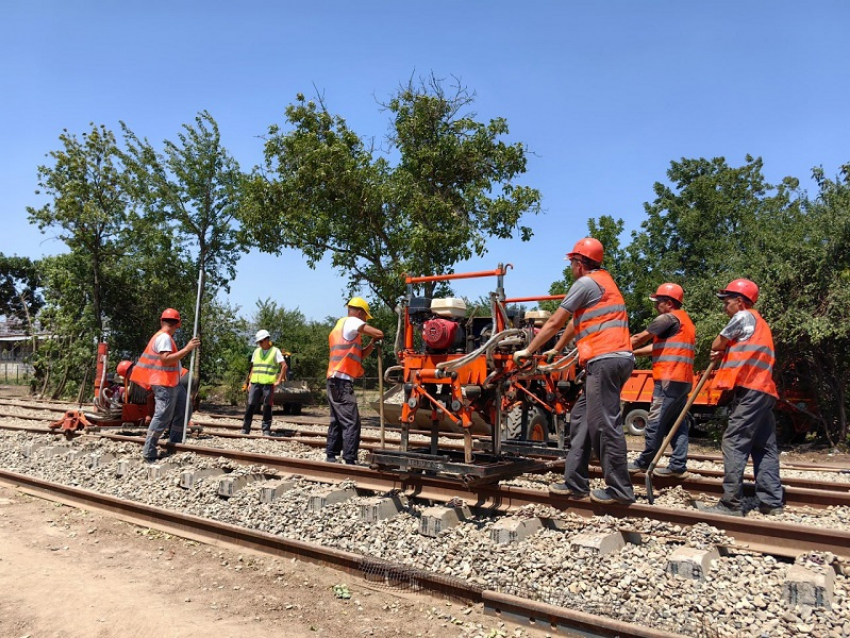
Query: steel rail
[(799, 492), (239, 538), (787, 540)]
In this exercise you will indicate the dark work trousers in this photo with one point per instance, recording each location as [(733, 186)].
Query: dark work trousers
[(169, 412), (751, 431), (259, 393), (596, 422), (668, 400), (344, 429)]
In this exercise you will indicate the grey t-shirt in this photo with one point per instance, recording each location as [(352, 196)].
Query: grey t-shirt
[(741, 326), (582, 294), (664, 326)]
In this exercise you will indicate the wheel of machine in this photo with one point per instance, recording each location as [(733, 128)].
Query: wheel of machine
[(537, 428), (295, 409), (635, 421)]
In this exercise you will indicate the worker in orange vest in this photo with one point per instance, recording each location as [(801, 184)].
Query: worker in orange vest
[(346, 364), (601, 329), (159, 369), (745, 351), (673, 346)]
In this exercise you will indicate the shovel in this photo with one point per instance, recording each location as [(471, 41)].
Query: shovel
[(380, 350), (674, 429)]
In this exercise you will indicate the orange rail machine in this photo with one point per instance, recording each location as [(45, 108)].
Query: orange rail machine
[(455, 366)]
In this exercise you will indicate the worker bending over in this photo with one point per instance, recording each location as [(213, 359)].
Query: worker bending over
[(601, 329), (673, 345)]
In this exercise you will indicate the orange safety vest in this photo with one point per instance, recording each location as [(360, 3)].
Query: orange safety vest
[(673, 357), (149, 370), (603, 327), (346, 356), (749, 364)]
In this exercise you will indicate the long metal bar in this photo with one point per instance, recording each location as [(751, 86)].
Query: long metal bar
[(466, 275), (241, 538), (194, 352)]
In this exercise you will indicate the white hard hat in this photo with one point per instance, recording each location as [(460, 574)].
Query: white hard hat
[(262, 334)]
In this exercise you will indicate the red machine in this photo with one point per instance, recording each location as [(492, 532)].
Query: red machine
[(116, 405)]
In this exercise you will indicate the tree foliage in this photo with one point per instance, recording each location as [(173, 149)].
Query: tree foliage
[(20, 289), (325, 190)]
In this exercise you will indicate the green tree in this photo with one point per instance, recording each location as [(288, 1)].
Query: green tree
[(20, 289), (89, 208), (191, 189), (324, 189)]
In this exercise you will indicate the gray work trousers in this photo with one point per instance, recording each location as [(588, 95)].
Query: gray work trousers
[(259, 393), (668, 400), (169, 413), (596, 422), (344, 428), (751, 431)]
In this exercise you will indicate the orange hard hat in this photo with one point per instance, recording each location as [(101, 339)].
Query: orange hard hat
[(673, 291), (170, 313), (588, 247), (743, 287), (123, 368)]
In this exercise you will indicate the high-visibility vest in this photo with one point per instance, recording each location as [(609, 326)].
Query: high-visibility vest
[(604, 326), (346, 356), (150, 371), (749, 364), (264, 366), (673, 357)]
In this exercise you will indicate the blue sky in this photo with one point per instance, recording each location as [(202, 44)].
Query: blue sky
[(604, 94)]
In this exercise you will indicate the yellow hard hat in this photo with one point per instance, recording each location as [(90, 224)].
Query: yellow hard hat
[(360, 302)]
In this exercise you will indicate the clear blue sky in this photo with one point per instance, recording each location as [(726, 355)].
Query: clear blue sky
[(604, 94)]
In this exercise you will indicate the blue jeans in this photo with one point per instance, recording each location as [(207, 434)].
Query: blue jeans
[(668, 400), (169, 413)]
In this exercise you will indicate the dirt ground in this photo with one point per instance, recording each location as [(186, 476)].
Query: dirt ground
[(68, 573)]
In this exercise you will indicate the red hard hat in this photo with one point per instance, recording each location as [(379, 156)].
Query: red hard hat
[(588, 247), (123, 368), (743, 287), (674, 291), (170, 313)]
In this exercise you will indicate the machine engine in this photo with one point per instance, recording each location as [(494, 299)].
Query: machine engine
[(441, 323)]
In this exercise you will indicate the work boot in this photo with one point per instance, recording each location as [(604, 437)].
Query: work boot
[(267, 432), (606, 498), (634, 468), (720, 508), (244, 431), (331, 459), (767, 510), (667, 472), (562, 489)]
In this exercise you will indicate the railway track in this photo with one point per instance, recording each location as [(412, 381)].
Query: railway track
[(817, 493), (645, 525)]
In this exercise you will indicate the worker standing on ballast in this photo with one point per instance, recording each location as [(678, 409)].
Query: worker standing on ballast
[(159, 369), (346, 364), (673, 346), (268, 370), (745, 351), (601, 329)]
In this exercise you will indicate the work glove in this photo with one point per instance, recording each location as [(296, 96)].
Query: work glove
[(520, 356), (551, 354), (244, 387), (377, 342)]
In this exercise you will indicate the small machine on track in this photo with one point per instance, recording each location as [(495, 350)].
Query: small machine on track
[(455, 367)]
